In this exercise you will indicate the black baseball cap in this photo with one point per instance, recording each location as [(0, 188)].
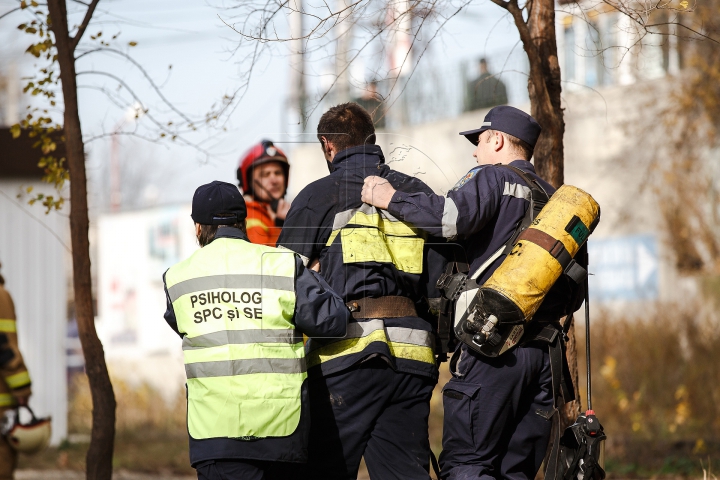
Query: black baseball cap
[(218, 203), (509, 120)]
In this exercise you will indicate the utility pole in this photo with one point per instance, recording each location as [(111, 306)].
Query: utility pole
[(398, 18), (298, 94), (344, 43)]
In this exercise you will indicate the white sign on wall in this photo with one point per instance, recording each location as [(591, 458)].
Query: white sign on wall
[(624, 268)]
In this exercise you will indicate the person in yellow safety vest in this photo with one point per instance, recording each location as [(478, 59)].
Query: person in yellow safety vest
[(241, 310), (14, 377)]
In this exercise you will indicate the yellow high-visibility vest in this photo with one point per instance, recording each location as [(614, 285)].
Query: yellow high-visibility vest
[(234, 302)]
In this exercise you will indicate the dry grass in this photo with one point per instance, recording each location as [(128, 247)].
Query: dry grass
[(656, 388), (151, 435)]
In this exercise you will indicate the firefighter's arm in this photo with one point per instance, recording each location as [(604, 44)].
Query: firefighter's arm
[(464, 211), (13, 370), (319, 311), (424, 210)]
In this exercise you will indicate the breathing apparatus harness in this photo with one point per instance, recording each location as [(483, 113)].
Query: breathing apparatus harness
[(453, 285), (494, 320)]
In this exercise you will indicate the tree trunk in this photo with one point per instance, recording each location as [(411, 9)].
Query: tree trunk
[(540, 43), (100, 453), (546, 108)]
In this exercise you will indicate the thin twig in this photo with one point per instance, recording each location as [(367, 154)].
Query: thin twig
[(83, 26)]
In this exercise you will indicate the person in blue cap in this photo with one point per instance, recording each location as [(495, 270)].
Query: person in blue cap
[(241, 310), (498, 411)]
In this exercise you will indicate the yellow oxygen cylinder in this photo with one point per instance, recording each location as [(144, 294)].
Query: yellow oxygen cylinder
[(494, 320), (543, 251)]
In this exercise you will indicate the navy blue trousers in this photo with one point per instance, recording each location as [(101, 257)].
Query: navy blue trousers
[(373, 411), (248, 470), (496, 415)]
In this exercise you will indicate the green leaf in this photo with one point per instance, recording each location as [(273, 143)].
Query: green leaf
[(15, 130)]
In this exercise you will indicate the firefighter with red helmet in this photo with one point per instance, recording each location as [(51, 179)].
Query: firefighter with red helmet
[(263, 175)]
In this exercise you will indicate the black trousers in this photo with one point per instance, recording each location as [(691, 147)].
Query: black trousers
[(496, 421), (373, 411), (248, 470)]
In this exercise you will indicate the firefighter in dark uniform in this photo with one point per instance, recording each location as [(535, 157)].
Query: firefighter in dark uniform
[(241, 309), (498, 410), (370, 390)]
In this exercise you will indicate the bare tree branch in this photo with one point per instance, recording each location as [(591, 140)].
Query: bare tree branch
[(152, 83), (9, 12), (83, 26)]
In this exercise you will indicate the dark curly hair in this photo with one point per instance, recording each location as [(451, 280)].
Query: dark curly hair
[(346, 125)]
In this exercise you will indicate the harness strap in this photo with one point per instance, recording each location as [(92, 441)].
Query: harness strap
[(382, 307), (557, 250), (435, 465), (538, 199), (556, 369)]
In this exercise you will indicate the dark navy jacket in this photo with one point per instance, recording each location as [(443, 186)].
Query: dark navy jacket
[(481, 213), (319, 312), (322, 224)]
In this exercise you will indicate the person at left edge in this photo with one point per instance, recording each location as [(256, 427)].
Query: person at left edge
[(263, 175), (241, 309), (14, 378)]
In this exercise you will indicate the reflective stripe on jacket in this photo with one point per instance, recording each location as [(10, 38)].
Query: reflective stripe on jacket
[(14, 377), (234, 302)]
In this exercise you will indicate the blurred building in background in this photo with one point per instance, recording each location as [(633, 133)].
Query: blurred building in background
[(35, 256), (135, 248)]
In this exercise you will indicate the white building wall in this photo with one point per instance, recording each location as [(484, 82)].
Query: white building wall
[(134, 250), (34, 255)]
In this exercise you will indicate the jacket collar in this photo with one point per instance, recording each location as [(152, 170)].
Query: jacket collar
[(229, 232), (361, 153), (523, 165)]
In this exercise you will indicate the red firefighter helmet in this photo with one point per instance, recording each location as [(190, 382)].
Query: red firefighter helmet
[(263, 152)]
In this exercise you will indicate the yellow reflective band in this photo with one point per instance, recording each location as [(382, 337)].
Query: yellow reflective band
[(371, 245), (384, 225), (335, 350), (333, 235), (255, 222), (18, 380), (6, 400), (8, 325)]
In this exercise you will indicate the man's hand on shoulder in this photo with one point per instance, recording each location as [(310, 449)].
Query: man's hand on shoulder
[(377, 192)]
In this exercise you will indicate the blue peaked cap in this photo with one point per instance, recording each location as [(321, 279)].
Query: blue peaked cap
[(509, 120)]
